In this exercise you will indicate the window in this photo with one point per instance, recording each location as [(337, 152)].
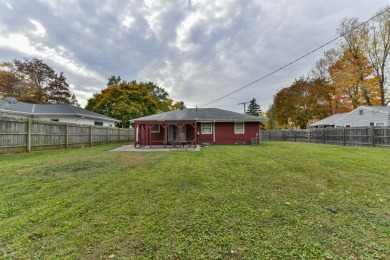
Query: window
[(372, 124), (239, 128), (361, 112), (207, 128), (55, 120), (99, 123), (156, 129)]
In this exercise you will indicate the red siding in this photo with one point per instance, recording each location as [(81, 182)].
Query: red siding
[(158, 138), (203, 138), (224, 133)]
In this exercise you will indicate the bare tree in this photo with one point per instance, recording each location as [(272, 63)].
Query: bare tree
[(378, 49)]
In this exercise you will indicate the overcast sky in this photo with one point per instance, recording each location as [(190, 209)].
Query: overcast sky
[(197, 50)]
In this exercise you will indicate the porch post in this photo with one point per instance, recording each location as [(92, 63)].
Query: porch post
[(150, 134), (196, 134), (135, 135), (165, 126), (194, 138)]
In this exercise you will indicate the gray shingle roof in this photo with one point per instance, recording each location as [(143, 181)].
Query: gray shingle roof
[(50, 109), (329, 120), (201, 114)]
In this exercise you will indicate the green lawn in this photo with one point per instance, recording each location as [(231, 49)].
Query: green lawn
[(223, 202)]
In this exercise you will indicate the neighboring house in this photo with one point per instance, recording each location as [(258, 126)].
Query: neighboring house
[(197, 126), (328, 122), (359, 117), (54, 112)]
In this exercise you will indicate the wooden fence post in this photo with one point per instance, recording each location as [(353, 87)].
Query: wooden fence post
[(119, 135), (323, 135), (29, 124), (309, 136), (107, 135), (372, 136), (90, 136), (66, 136), (344, 142)]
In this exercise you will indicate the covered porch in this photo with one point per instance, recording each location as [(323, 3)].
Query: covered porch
[(165, 134)]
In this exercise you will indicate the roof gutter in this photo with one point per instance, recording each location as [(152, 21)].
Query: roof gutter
[(5, 111)]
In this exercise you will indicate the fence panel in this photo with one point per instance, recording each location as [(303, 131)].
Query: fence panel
[(21, 135), (351, 136), (358, 136), (47, 135), (334, 136), (13, 135), (382, 136)]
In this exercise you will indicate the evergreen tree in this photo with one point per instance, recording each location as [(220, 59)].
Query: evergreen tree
[(253, 108)]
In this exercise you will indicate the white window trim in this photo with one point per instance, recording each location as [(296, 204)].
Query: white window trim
[(155, 130), (235, 128), (211, 128)]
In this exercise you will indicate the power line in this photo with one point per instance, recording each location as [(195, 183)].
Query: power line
[(298, 59)]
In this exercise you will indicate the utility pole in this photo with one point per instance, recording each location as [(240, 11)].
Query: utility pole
[(243, 103)]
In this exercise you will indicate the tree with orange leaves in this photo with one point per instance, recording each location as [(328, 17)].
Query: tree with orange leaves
[(354, 82)]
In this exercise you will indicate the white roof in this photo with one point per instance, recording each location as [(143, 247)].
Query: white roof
[(329, 120), (336, 117)]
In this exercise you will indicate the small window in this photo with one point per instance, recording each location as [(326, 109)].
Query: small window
[(207, 128), (55, 120), (156, 129), (239, 128), (372, 124), (361, 112), (348, 126), (98, 123)]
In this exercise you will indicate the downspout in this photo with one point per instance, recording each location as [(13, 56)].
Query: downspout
[(214, 132)]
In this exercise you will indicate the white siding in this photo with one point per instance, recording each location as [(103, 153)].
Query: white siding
[(355, 119), (74, 120)]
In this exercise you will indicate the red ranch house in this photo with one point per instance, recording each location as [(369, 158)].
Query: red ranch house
[(196, 126)]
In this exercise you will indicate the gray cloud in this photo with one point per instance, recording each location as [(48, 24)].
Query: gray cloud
[(197, 50)]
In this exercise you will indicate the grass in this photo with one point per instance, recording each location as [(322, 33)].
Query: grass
[(223, 202)]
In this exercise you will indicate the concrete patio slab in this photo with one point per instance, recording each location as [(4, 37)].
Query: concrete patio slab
[(130, 148)]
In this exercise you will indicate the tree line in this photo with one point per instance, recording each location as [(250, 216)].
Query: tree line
[(33, 81), (353, 73)]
